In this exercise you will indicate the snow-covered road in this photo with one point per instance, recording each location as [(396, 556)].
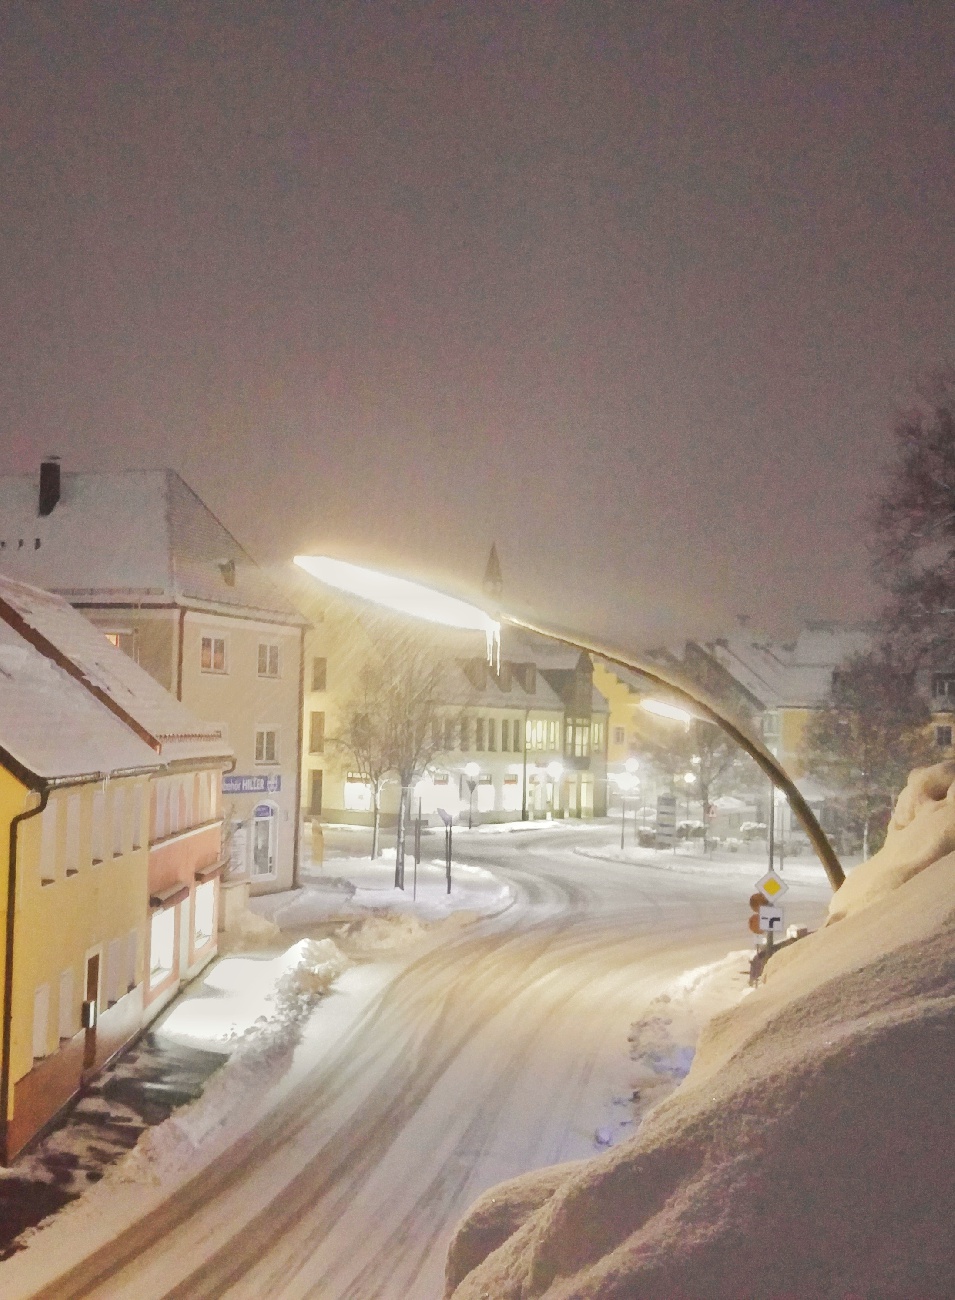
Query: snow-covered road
[(499, 1050)]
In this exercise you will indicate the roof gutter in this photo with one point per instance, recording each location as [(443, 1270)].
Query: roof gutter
[(6, 1049)]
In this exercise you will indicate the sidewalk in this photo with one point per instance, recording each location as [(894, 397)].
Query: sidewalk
[(805, 869)]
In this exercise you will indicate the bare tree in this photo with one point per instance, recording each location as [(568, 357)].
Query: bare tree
[(870, 732), (363, 738), (412, 713), (914, 530), (391, 728)]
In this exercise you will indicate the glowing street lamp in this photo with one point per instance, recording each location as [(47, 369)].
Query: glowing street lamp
[(424, 602), (471, 774), (664, 709)]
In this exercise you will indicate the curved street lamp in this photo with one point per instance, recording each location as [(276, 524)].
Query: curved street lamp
[(426, 602)]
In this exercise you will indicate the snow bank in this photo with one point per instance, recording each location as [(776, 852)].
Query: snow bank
[(262, 1054), (809, 1152)]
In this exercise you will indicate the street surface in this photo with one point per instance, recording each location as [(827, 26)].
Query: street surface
[(497, 1051)]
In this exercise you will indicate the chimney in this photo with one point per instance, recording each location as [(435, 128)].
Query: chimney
[(49, 485)]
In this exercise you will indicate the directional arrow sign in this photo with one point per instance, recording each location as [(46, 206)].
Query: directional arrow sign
[(771, 920), (772, 886)]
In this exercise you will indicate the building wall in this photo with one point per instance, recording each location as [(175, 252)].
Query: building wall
[(185, 857), (70, 911), (264, 788)]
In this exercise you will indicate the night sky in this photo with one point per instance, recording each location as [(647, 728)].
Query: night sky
[(633, 289)]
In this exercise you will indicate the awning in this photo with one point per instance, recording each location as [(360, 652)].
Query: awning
[(167, 898)]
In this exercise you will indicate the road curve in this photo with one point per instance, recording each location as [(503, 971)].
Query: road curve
[(491, 1054)]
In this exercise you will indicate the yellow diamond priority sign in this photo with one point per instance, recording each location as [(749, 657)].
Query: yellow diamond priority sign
[(772, 886)]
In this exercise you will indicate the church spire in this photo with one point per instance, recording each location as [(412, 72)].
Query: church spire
[(493, 579)]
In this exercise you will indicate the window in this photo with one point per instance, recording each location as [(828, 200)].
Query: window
[(119, 820), (132, 952), (48, 827), (506, 735), (465, 733), (597, 737), (479, 734), (137, 839), (492, 733), (619, 735), (316, 733), (770, 723), (212, 655), (315, 794), (266, 745), (577, 737), (67, 1024), (72, 834), (319, 674), (162, 945), (98, 837), (125, 641), (943, 737), (268, 659), (943, 687), (448, 734), (41, 1021), (204, 913), (115, 971)]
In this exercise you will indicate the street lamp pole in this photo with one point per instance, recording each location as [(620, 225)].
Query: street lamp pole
[(471, 773), (690, 694)]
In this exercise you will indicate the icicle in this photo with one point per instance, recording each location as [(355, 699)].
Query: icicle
[(492, 634)]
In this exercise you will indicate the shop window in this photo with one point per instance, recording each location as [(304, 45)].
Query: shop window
[(264, 830), (205, 907), (162, 945)]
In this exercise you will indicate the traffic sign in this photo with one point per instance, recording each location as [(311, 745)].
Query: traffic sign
[(771, 920), (772, 886)]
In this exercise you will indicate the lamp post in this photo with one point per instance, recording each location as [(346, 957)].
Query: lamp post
[(471, 774), (413, 598)]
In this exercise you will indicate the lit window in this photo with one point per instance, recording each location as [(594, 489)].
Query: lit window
[(266, 745), (212, 657), (268, 659), (205, 906), (162, 945)]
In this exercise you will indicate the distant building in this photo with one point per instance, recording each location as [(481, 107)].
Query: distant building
[(89, 744), (538, 714), (147, 562)]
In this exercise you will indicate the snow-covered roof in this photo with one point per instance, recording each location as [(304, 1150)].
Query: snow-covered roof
[(134, 536), (458, 688), (53, 727), (796, 674), (182, 736)]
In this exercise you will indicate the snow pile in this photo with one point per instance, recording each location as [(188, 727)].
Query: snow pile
[(809, 1152), (263, 1052)]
